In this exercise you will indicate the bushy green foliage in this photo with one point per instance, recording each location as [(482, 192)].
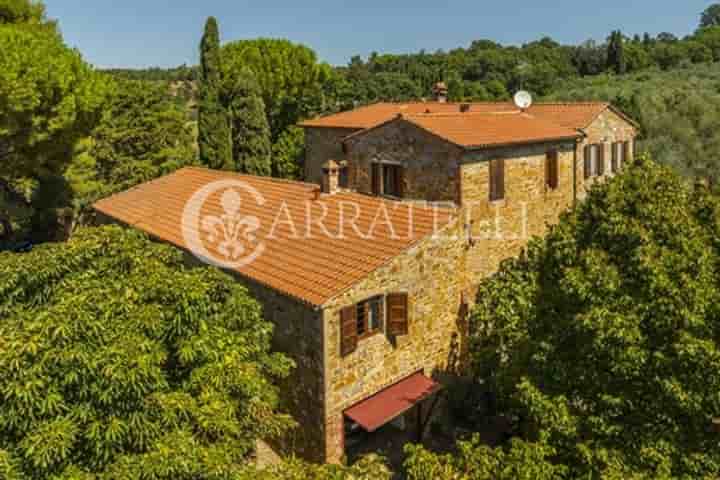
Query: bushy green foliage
[(603, 338), (143, 134), (117, 361), (288, 154), (49, 99), (251, 147), (22, 11), (476, 461), (214, 136), (371, 467)]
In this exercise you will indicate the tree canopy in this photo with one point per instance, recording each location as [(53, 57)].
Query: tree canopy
[(711, 16), (117, 361), (289, 76), (50, 98), (603, 337), (142, 135)]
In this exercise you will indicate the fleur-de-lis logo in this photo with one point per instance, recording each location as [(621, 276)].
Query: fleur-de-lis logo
[(231, 231), (231, 234)]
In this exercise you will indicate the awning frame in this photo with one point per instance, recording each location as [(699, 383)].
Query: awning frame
[(355, 411)]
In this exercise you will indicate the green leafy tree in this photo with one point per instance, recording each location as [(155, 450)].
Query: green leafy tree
[(288, 154), (23, 11), (118, 361), (711, 16), (214, 137), (143, 134), (251, 145), (49, 99), (289, 76), (476, 461), (603, 338)]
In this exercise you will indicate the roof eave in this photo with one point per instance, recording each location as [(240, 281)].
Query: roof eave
[(523, 142)]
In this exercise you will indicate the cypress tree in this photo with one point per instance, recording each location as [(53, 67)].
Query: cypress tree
[(250, 128), (616, 53), (213, 125)]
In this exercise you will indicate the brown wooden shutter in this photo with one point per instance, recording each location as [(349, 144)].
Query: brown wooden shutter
[(601, 159), (397, 314), (588, 161), (552, 170), (348, 331), (628, 153), (614, 161), (497, 179), (400, 181), (375, 178)]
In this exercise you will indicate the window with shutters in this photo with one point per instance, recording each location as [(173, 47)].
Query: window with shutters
[(552, 170), (387, 179), (497, 179)]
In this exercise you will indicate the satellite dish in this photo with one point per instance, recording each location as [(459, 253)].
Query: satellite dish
[(523, 100)]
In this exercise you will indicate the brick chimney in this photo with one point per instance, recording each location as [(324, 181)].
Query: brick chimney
[(331, 177), (464, 107), (440, 90)]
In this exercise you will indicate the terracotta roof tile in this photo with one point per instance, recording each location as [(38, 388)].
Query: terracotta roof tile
[(480, 130), (313, 269)]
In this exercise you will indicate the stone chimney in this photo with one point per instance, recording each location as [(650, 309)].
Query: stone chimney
[(464, 107), (440, 91), (331, 177)]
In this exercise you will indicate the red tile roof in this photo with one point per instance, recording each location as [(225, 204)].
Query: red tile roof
[(313, 270), (577, 115), (479, 130)]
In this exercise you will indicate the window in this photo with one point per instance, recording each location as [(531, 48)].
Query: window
[(497, 179), (552, 170), (594, 160), (344, 179), (387, 179), (619, 155), (369, 317), (392, 180)]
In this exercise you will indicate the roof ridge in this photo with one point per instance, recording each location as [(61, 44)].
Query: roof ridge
[(461, 114), (298, 183)]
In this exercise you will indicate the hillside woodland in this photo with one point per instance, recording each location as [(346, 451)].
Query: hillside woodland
[(599, 344)]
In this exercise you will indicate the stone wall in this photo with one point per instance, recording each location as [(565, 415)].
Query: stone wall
[(321, 145), (432, 275), (501, 229), (298, 334), (431, 165), (608, 128)]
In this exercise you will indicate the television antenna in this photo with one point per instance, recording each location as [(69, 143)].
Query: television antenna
[(523, 100)]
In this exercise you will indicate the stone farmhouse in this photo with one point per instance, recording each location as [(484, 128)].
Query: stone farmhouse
[(368, 268)]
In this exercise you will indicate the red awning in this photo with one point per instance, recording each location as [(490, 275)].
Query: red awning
[(392, 402)]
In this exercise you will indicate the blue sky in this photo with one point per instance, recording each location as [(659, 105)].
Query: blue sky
[(135, 33)]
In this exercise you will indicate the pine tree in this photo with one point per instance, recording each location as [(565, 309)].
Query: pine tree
[(616, 53), (250, 129), (213, 123)]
